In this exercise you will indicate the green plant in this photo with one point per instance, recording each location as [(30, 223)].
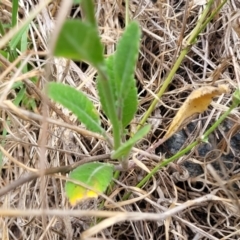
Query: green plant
[(116, 87), (10, 52), (117, 91)]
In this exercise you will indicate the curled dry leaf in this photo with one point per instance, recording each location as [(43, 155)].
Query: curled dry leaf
[(197, 102)]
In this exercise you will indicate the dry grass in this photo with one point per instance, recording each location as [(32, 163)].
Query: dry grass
[(180, 202)]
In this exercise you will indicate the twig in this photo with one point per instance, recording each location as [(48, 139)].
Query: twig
[(64, 169), (33, 89)]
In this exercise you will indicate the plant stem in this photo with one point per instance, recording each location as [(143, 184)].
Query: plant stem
[(112, 109), (212, 15), (187, 149), (164, 87), (201, 24), (194, 34)]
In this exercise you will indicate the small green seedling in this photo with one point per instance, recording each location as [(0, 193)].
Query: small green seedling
[(80, 41)]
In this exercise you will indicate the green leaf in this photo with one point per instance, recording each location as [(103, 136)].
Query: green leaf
[(109, 63), (80, 41), (130, 104), (20, 95), (107, 107), (95, 175), (106, 104), (88, 10), (236, 97), (24, 46), (126, 147), (14, 12), (78, 103), (2, 31), (125, 59), (4, 54), (12, 54), (15, 40)]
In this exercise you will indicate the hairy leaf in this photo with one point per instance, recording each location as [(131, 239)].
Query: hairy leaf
[(126, 56), (80, 41), (124, 63), (78, 103), (126, 108), (95, 175), (130, 104), (107, 106)]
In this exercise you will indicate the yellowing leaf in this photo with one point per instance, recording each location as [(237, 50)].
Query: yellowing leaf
[(197, 102), (95, 175), (80, 193)]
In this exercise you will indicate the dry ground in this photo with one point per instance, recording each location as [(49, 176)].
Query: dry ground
[(191, 199)]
